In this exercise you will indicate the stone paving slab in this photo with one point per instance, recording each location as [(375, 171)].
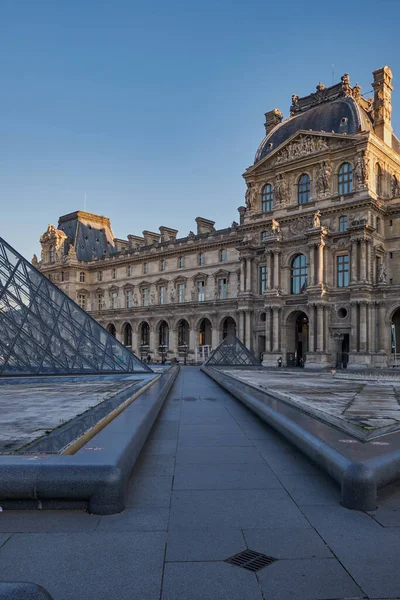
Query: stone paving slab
[(364, 407)]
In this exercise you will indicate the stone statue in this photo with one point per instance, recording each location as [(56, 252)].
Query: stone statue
[(234, 225), (172, 295), (248, 196), (135, 299), (361, 170), (216, 291), (35, 261), (275, 227), (382, 276), (324, 175), (281, 189), (152, 298), (395, 187), (317, 219)]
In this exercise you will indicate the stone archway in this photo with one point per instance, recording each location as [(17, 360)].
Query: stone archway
[(395, 337), (205, 332), (111, 329), (297, 338), (127, 331), (183, 333), (228, 326)]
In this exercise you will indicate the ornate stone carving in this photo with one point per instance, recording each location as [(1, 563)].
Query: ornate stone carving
[(324, 175), (275, 228), (281, 189), (361, 170), (317, 219), (251, 196), (302, 146), (382, 276), (299, 226), (35, 261), (395, 186)]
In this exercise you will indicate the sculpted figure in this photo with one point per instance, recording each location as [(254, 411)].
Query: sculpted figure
[(324, 175), (281, 189), (172, 295), (317, 219), (395, 187), (248, 196), (361, 170), (382, 277), (275, 227), (35, 261)]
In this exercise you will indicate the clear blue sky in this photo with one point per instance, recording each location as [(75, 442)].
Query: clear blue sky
[(155, 109)]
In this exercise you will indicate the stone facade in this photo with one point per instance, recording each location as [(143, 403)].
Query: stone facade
[(310, 274)]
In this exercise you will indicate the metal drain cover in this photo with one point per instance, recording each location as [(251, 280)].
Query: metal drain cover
[(190, 398), (248, 559)]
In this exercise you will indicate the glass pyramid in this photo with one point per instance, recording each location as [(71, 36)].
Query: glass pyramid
[(43, 332), (232, 353)]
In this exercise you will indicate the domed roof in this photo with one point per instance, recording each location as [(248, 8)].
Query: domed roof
[(343, 115)]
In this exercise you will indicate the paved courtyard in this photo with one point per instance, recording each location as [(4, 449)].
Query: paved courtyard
[(212, 480), (367, 407)]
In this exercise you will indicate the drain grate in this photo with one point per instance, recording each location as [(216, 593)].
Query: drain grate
[(253, 561), (190, 398)]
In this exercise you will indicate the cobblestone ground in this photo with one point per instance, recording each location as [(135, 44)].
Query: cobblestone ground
[(212, 481)]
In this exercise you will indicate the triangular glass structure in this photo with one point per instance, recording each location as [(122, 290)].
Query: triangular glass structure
[(232, 353), (43, 331)]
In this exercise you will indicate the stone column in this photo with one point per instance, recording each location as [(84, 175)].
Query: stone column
[(353, 332), (249, 261), (152, 340), (268, 321), (248, 330), (321, 263), (276, 270), (311, 265), (269, 271), (363, 326), (172, 341), (363, 261), (320, 328), (215, 340), (372, 327), (242, 274), (382, 328), (241, 326), (311, 328), (275, 329), (192, 341), (353, 273), (368, 249)]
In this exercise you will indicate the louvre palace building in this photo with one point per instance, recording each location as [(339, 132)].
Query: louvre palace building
[(309, 273)]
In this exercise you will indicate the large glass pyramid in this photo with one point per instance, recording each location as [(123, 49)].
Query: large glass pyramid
[(231, 353), (43, 332)]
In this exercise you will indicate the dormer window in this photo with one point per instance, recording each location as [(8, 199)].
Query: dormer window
[(345, 179), (52, 254), (82, 277), (304, 189), (267, 198), (99, 275)]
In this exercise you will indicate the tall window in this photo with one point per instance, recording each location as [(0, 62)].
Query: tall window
[(264, 236), (201, 258), (82, 301), (99, 275), (263, 278), (145, 267), (343, 223), (163, 335), (304, 189), (222, 288), (222, 255), (378, 179), (162, 264), (62, 276), (100, 301), (345, 179), (163, 294), (128, 271), (114, 299), (114, 273), (267, 198), (145, 296), (181, 262), (144, 334), (82, 277), (343, 270), (52, 254), (299, 274), (201, 288), (181, 292), (129, 298)]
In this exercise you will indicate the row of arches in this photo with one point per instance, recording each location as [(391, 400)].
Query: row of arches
[(162, 333)]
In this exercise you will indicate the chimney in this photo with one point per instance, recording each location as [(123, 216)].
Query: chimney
[(150, 237), (168, 234), (272, 118), (204, 225), (383, 104)]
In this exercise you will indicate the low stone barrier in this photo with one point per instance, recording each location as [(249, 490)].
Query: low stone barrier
[(359, 468), (97, 472)]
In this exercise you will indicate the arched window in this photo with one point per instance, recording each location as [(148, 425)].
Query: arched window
[(52, 254), (128, 335), (201, 258), (163, 335), (304, 189), (345, 179), (343, 223), (299, 274), (267, 198), (378, 179), (82, 277), (144, 334), (111, 329), (183, 333)]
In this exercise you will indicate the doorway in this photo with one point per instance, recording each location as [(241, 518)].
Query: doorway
[(301, 339)]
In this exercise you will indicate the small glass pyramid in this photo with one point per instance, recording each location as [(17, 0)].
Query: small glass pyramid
[(43, 331), (232, 353)]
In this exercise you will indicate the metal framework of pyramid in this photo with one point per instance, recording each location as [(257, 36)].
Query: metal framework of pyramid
[(43, 332), (232, 353)]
